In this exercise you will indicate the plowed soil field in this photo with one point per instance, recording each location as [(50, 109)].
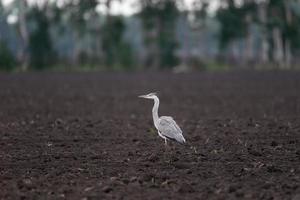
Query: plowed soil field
[(88, 136)]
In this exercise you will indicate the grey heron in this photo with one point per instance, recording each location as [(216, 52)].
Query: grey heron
[(165, 125)]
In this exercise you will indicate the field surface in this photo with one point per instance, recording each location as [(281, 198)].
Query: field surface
[(87, 136)]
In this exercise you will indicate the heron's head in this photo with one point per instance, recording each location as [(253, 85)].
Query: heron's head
[(149, 96)]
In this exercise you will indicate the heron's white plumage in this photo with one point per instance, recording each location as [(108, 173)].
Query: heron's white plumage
[(166, 126)]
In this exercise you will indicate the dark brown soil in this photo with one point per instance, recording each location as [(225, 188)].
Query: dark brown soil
[(88, 136)]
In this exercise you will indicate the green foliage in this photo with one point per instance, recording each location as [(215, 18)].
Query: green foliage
[(117, 51), (276, 14), (159, 22), (76, 12), (293, 33), (40, 45), (200, 11), (232, 24), (167, 40), (277, 17), (89, 39), (7, 60)]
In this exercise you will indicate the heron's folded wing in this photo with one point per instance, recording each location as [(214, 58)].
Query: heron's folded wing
[(169, 128)]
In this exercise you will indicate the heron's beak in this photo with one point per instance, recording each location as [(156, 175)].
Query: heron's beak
[(143, 96)]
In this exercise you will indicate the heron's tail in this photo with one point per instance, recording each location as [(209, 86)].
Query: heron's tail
[(181, 140)]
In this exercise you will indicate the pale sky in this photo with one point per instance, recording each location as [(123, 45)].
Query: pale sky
[(127, 7)]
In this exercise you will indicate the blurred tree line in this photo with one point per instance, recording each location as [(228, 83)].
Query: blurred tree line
[(73, 33), (276, 21)]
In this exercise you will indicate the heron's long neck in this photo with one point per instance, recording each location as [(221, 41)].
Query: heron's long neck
[(155, 111)]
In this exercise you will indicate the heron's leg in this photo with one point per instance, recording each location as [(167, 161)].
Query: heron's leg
[(163, 137)]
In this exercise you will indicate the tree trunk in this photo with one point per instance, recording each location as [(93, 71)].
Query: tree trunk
[(235, 54), (288, 52), (265, 47), (156, 52), (76, 49), (185, 46), (99, 50), (249, 54), (24, 55), (153, 49), (278, 51)]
